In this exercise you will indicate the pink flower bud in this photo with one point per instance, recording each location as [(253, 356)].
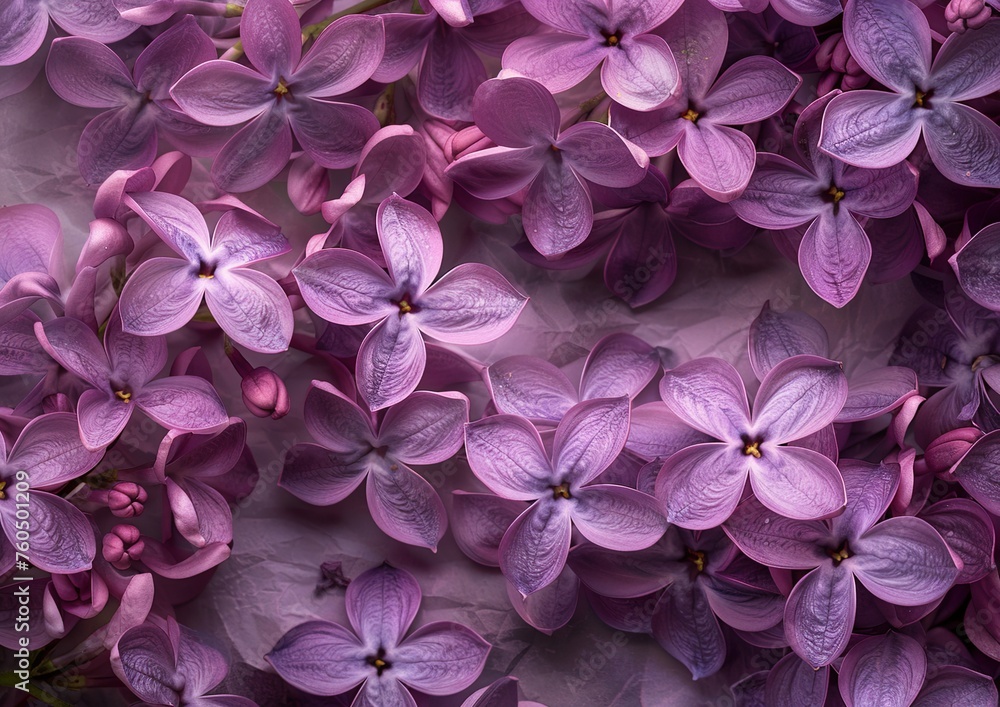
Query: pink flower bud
[(122, 546), (264, 393), (126, 499), (946, 451), (966, 14)]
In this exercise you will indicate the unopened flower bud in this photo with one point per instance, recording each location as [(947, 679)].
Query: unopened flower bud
[(264, 393), (126, 499), (122, 546), (966, 14), (946, 451)]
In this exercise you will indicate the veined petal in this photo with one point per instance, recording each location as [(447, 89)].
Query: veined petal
[(700, 485), (186, 403), (974, 264), (968, 64), (834, 256), (599, 154), (683, 623), (478, 522), (557, 213), (619, 364), (336, 422), (223, 93), (86, 73), (883, 670), (964, 145), (320, 477), (345, 287), (819, 614), (342, 58), (617, 517), (146, 660), (124, 138), (792, 682), (579, 19), (879, 193), (774, 540), (93, 19), (175, 220), (516, 112), (50, 448), (870, 488), (979, 472), (876, 392), (426, 428), (780, 194), (381, 604), (411, 242), (242, 238), (872, 129), (589, 437), (506, 453), (954, 685), (320, 657), (383, 692), (552, 606), (708, 394), (719, 158), (557, 61), (449, 75), (405, 506), (102, 418), (775, 336), (75, 347), (749, 91), (255, 154), (162, 295), (799, 396), (698, 34), (496, 172), (201, 514), (170, 55), (534, 549), (440, 658), (62, 538), (472, 304), (23, 26), (530, 387), (251, 308), (390, 361), (798, 483), (332, 133), (654, 431), (968, 530), (641, 73), (891, 42), (625, 575), (271, 35)]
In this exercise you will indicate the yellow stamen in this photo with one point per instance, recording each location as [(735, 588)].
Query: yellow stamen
[(691, 115), (3, 485), (404, 307), (203, 276), (560, 491), (836, 193), (752, 450), (281, 89), (124, 396), (613, 41), (840, 555), (697, 559), (918, 100), (379, 663)]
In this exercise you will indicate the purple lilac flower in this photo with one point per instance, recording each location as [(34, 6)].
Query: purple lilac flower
[(507, 454), (877, 129), (701, 485), (163, 294), (24, 24), (637, 67), (901, 560), (887, 669), (425, 428), (472, 304), (31, 258), (119, 377), (86, 73), (285, 93), (326, 658), (522, 118), (46, 455), (696, 122), (828, 196)]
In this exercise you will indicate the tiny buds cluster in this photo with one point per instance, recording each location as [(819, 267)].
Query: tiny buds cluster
[(126, 499), (123, 546), (264, 393), (839, 68), (947, 450), (962, 15)]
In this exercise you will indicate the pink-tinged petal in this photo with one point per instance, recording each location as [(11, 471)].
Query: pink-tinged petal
[(578, 19), (877, 392), (75, 347), (135, 358), (175, 220), (697, 33), (202, 666), (798, 483), (506, 453), (619, 364), (880, 193), (870, 488), (834, 255), (383, 692), (162, 295), (336, 421), (320, 657), (223, 93), (161, 561), (20, 352), (93, 19), (780, 194), (792, 682), (255, 154), (979, 472), (86, 73), (251, 308), (744, 608), (891, 42), (819, 614), (964, 145), (968, 531), (799, 396), (50, 448), (170, 56), (390, 361), (62, 538), (449, 75), (615, 574), (201, 514), (534, 549), (497, 172), (708, 394), (617, 517), (342, 58), (411, 242), (872, 129), (656, 432), (516, 112), (719, 158), (904, 561), (968, 64), (550, 608), (102, 418), (472, 304), (683, 623), (656, 132), (599, 154), (883, 670), (589, 437), (775, 336), (393, 161), (271, 36), (32, 241), (557, 61), (774, 540), (320, 477), (405, 506), (345, 287), (749, 91), (381, 604), (530, 387), (406, 36), (117, 139), (440, 658), (186, 403), (558, 213), (700, 485), (953, 685), (23, 25), (242, 238), (332, 133), (426, 428), (640, 16), (974, 264), (145, 660), (641, 74), (478, 522)]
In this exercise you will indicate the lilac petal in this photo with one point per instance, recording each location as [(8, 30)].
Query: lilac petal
[(890, 557), (345, 287), (642, 264), (31, 243), (575, 20), (117, 139), (170, 56), (964, 145), (558, 213), (499, 693), (719, 158), (683, 623), (589, 437), (619, 364), (872, 129), (136, 358), (50, 447), (440, 658), (223, 93), (530, 387), (175, 220), (24, 25), (793, 682), (316, 476), (251, 308), (202, 666), (878, 193), (20, 352), (700, 485), (742, 607), (506, 453), (655, 432), (623, 575), (597, 153), (798, 483), (534, 549), (102, 418), (411, 242), (883, 670), (162, 295), (497, 172), (342, 58), (749, 91), (638, 17), (75, 348), (969, 532), (780, 194), (657, 132), (877, 392), (338, 148), (62, 537), (708, 394), (383, 692), (516, 112), (242, 238), (775, 336), (973, 264), (978, 472), (555, 60), (255, 154), (819, 614), (774, 540), (472, 304), (185, 403), (382, 168), (405, 506), (320, 657), (641, 74), (966, 66), (381, 604), (617, 517), (426, 428), (406, 37), (834, 255), (201, 514), (697, 33), (93, 19), (390, 361), (478, 522), (86, 73), (954, 685), (799, 396), (891, 42), (145, 659), (449, 75), (270, 32), (870, 489), (551, 607)]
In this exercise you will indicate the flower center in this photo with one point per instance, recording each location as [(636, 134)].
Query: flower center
[(3, 485), (612, 39), (697, 558), (206, 270), (125, 395), (751, 447), (561, 491), (841, 554), (379, 662), (922, 99), (406, 305), (836, 193), (281, 90), (690, 114)]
